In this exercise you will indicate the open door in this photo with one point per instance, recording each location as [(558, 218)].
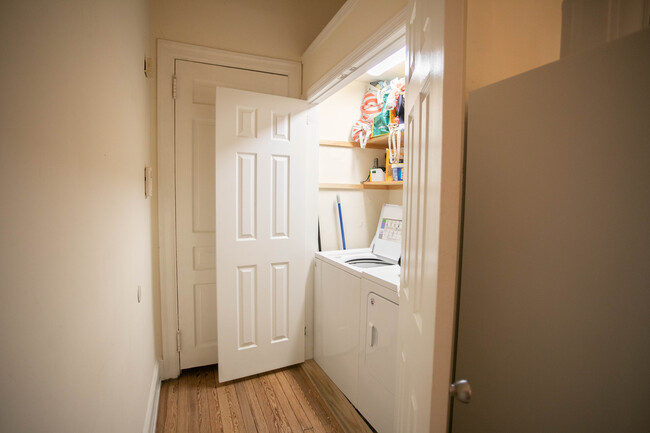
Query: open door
[(554, 313), (434, 127), (263, 189)]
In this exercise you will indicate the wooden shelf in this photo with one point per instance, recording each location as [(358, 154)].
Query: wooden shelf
[(388, 184), (353, 144), (364, 185), (340, 186), (373, 143)]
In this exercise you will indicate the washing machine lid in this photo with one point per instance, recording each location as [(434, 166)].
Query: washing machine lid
[(387, 242)]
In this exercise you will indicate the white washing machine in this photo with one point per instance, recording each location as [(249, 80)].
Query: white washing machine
[(344, 280)]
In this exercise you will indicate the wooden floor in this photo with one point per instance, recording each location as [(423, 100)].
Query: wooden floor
[(296, 399)]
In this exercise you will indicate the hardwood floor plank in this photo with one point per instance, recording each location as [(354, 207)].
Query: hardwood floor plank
[(202, 401), (230, 411), (300, 379), (299, 404), (267, 411), (292, 417), (265, 392), (258, 412), (343, 411), (187, 414), (246, 403), (162, 408), (216, 422), (314, 407), (170, 421)]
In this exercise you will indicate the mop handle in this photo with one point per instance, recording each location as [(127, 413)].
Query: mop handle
[(338, 202)]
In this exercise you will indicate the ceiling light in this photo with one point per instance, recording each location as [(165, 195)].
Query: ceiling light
[(389, 62)]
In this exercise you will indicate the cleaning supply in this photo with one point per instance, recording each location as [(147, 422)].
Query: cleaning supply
[(398, 171), (338, 202)]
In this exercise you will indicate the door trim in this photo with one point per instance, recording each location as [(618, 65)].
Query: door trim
[(168, 53)]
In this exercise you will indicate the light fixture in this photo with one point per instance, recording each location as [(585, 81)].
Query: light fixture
[(389, 62)]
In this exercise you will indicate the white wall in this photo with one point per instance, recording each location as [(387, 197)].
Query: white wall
[(361, 208), (76, 231)]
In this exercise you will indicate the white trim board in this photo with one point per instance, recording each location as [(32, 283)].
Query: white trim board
[(151, 416), (168, 53), (390, 37)]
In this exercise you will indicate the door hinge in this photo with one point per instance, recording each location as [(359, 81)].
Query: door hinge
[(178, 340), (305, 330), (173, 86)]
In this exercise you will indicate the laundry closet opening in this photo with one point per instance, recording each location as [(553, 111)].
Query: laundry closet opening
[(362, 163), (344, 166)]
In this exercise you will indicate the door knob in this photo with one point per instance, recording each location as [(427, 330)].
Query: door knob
[(461, 391)]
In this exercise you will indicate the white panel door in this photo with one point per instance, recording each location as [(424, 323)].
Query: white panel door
[(262, 219), (433, 157), (195, 203)]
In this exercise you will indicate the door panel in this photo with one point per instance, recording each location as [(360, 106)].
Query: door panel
[(195, 198), (418, 293), (554, 313), (262, 218), (434, 137)]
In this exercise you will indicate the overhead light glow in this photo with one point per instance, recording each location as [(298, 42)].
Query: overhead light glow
[(389, 62)]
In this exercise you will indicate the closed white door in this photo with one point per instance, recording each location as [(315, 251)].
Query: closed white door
[(264, 196), (432, 190), (195, 198)]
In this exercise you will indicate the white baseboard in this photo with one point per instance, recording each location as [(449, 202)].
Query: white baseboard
[(152, 405)]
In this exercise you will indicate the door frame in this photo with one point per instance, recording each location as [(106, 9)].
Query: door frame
[(450, 167), (168, 52)]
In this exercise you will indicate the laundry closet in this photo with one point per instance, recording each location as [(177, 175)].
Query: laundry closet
[(356, 278)]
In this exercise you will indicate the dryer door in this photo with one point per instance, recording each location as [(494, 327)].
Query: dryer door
[(377, 365), (381, 340)]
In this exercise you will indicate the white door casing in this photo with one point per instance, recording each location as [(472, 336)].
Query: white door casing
[(195, 199), (168, 54), (263, 216), (434, 143)]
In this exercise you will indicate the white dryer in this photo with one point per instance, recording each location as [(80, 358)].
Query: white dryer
[(378, 346), (343, 280)]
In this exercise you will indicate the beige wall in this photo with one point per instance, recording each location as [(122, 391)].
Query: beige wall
[(75, 231), (280, 28), (359, 24), (508, 37)]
